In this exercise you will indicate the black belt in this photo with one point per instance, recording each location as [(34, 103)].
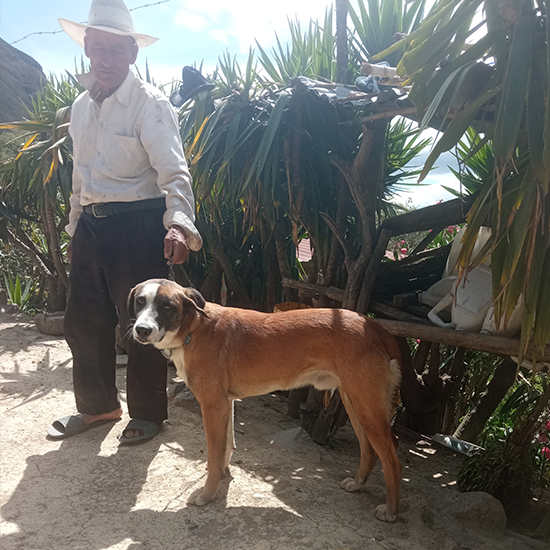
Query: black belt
[(102, 210)]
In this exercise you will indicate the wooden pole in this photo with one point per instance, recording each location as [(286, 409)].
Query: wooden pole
[(498, 345)]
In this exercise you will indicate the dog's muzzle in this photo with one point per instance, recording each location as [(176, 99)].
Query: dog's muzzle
[(146, 333), (142, 333)]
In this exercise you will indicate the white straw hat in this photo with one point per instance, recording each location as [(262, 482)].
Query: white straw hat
[(110, 16)]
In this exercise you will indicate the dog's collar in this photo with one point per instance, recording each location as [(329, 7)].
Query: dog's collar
[(167, 352)]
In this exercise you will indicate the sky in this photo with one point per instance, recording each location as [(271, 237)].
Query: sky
[(191, 33)]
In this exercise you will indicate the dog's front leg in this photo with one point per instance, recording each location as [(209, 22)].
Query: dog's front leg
[(230, 445), (217, 419)]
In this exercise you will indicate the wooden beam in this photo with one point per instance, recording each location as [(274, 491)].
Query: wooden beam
[(422, 330), (498, 345), (443, 214), (336, 294)]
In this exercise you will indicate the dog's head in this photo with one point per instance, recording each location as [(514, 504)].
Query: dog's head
[(162, 310)]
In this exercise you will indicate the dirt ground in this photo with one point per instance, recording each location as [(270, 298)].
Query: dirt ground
[(87, 493)]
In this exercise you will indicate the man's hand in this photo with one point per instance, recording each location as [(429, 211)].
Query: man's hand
[(175, 245)]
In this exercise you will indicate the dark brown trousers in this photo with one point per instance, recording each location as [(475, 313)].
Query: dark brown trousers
[(109, 257)]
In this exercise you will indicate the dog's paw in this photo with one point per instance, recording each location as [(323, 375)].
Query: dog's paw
[(350, 485), (382, 514), (201, 496)]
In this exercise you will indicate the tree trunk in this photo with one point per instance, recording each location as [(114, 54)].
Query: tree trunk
[(211, 286), (372, 271), (341, 41), (473, 423), (56, 291), (363, 178), (57, 295), (233, 283), (273, 277), (421, 391), (52, 238), (337, 251)]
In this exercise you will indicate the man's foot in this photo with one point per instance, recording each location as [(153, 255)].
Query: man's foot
[(78, 423), (138, 430), (93, 418)]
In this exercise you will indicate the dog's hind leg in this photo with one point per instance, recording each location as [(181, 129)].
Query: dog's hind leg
[(382, 441), (377, 431), (374, 420), (368, 455), (217, 419)]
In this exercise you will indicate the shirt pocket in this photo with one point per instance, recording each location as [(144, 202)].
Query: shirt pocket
[(126, 157)]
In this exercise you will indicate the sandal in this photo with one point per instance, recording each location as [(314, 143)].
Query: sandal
[(73, 425), (148, 429)]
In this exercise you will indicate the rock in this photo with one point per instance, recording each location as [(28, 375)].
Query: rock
[(481, 509), (181, 395), (21, 78), (50, 323), (469, 521)]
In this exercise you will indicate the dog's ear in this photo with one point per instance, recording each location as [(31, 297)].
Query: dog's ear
[(195, 298), (130, 305)]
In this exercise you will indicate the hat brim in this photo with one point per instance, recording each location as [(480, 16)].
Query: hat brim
[(77, 31)]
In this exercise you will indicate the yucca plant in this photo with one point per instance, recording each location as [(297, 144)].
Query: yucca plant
[(498, 84), (259, 154), (311, 54), (508, 105), (35, 184), (376, 25)]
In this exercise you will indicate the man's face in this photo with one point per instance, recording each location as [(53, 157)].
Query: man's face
[(110, 57)]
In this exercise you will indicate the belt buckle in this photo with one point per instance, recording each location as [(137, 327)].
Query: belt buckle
[(95, 211)]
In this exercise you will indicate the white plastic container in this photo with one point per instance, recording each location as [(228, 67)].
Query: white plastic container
[(470, 301), (451, 267), (513, 325), (437, 291)]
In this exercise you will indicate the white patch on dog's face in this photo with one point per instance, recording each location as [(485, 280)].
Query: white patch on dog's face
[(146, 328)]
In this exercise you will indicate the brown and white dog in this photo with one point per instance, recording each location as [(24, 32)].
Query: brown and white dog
[(226, 353)]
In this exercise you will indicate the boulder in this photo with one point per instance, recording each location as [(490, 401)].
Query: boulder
[(21, 78), (50, 323)]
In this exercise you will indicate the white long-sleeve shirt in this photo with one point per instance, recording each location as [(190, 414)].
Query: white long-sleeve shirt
[(127, 149)]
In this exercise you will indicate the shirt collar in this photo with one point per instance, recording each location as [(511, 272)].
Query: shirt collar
[(122, 93)]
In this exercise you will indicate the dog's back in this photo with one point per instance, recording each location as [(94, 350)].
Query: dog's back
[(327, 348)]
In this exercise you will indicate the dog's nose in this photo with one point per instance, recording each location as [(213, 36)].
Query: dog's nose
[(143, 332)]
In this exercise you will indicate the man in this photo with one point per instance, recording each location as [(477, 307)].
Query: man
[(132, 208)]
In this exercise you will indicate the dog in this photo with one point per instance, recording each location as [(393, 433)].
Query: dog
[(226, 353)]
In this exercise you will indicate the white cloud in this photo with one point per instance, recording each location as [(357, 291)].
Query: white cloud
[(162, 74), (192, 21), (221, 36), (247, 20)]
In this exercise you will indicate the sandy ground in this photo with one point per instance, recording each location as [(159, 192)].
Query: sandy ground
[(87, 493)]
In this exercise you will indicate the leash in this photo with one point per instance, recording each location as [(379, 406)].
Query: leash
[(171, 274), (181, 270)]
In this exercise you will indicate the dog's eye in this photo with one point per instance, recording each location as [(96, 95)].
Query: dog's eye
[(140, 300), (168, 307)]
